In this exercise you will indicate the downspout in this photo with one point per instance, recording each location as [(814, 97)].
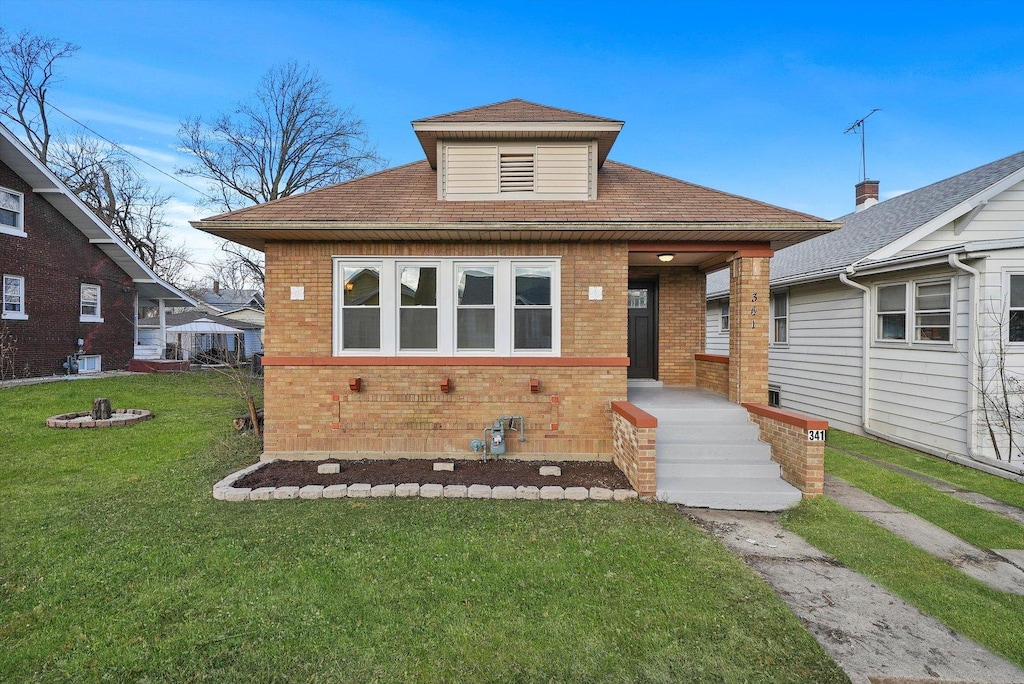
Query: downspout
[(973, 386), (865, 347)]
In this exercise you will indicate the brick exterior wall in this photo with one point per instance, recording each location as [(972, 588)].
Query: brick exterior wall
[(713, 373), (748, 330), (400, 409), (802, 461), (681, 320), (55, 259), (634, 434)]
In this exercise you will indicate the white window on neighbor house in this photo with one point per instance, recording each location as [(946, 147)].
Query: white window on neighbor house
[(933, 311), (1015, 319), (90, 304), (90, 364), (723, 308), (12, 212), (14, 297), (446, 307), (891, 305), (780, 317)]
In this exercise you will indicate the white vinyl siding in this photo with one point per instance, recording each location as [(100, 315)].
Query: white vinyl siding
[(563, 169), (517, 171), (471, 170), (819, 371), (716, 340), (1001, 218)]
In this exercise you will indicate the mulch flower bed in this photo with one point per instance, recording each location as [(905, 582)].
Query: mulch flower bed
[(420, 471)]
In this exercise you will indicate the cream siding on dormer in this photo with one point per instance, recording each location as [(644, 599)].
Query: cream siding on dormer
[(485, 171)]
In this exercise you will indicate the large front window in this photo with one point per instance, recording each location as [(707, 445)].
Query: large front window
[(446, 307)]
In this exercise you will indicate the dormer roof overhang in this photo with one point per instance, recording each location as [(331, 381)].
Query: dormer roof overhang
[(516, 120)]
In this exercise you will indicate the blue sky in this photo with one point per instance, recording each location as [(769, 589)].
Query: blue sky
[(747, 97)]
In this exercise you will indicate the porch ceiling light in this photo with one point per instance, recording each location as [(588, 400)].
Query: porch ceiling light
[(666, 257)]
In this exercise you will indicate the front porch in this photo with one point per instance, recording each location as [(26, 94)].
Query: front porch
[(694, 447)]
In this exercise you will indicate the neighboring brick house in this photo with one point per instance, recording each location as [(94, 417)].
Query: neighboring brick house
[(66, 277), (408, 309)]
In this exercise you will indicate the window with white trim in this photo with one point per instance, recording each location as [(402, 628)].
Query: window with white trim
[(780, 317), (12, 212), (90, 364), (446, 307), (14, 297), (1016, 313), (724, 310), (891, 305), (90, 304), (933, 312)]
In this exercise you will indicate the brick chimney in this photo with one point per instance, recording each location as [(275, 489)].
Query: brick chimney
[(867, 194), (216, 283)]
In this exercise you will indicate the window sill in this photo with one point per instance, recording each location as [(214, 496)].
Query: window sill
[(90, 319), (7, 230), (14, 317)]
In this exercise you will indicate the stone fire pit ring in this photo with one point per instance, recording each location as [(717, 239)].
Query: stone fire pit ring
[(84, 419)]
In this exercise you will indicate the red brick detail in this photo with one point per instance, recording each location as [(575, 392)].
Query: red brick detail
[(156, 366), (802, 461), (532, 361), (712, 358), (787, 416), (633, 453), (636, 416)]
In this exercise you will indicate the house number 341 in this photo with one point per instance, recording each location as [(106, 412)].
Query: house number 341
[(753, 311)]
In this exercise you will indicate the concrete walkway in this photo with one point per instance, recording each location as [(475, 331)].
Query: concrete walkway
[(871, 633), (988, 567)]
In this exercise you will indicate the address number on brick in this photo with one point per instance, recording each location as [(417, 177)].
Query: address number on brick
[(816, 435)]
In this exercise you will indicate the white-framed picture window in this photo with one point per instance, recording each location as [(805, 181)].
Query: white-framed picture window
[(723, 308), (1015, 315), (14, 297), (446, 307), (780, 317), (891, 305), (12, 212), (89, 305)]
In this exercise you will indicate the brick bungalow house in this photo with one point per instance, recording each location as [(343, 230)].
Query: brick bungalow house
[(514, 271), (70, 286)]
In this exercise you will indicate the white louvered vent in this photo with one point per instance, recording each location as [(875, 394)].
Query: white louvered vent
[(516, 173)]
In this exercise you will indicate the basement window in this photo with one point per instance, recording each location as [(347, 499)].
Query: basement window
[(775, 396)]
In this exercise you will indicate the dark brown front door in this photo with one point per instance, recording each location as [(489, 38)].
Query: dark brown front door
[(643, 329)]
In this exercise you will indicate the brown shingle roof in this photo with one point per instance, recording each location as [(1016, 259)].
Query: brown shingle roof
[(514, 110), (408, 195)]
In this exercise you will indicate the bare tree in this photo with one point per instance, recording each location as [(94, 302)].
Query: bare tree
[(1001, 392), (8, 352), (28, 67), (109, 184), (100, 174), (289, 137)]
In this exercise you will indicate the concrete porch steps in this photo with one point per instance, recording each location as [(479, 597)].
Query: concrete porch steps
[(709, 455)]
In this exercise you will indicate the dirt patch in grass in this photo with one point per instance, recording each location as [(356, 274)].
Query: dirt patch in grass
[(420, 471)]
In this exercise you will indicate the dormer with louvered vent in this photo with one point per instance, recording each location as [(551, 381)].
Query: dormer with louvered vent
[(516, 150)]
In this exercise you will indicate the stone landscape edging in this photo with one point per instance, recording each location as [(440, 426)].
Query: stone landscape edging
[(119, 418), (225, 490)]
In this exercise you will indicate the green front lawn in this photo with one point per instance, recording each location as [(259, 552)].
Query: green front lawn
[(116, 563), (990, 617), (998, 488)]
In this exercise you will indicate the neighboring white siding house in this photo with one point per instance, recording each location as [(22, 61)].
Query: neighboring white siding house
[(916, 298)]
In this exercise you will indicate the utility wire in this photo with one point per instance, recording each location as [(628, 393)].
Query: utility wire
[(130, 153)]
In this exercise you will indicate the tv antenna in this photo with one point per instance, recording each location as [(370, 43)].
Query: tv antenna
[(858, 127)]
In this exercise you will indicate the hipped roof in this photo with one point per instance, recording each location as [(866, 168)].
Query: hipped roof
[(402, 203)]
